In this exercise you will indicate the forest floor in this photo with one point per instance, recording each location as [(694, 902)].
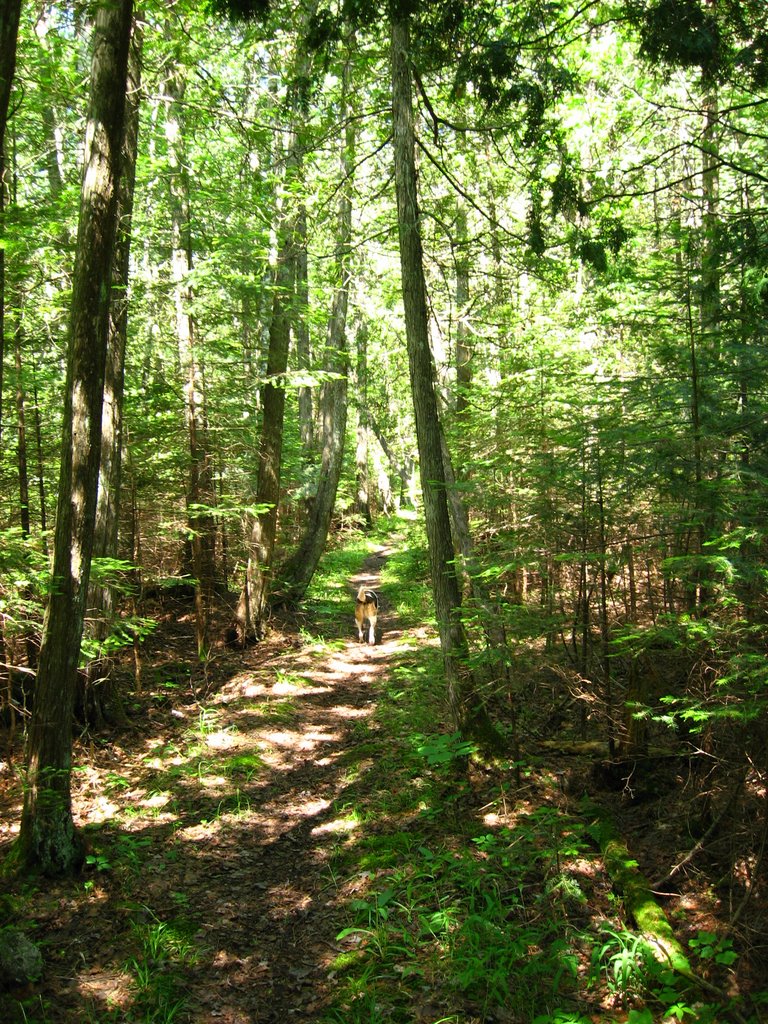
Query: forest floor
[(284, 841)]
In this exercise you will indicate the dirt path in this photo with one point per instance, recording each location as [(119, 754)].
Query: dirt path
[(272, 899), (216, 831)]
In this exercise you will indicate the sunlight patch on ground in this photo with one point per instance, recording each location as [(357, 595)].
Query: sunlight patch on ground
[(285, 686), (212, 781), (102, 810), (250, 688), (221, 740), (112, 988), (300, 741), (344, 711), (314, 736), (155, 800), (287, 899), (338, 826), (313, 807), (204, 830), (282, 738)]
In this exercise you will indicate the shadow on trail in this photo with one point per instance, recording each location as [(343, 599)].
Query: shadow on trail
[(229, 824)]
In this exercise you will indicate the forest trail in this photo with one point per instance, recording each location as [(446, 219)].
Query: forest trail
[(273, 903), (288, 839), (212, 832)]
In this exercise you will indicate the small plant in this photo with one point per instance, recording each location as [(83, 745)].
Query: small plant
[(98, 862), (710, 946), (291, 680), (623, 959), (278, 712), (237, 804), (207, 722), (444, 748), (165, 951), (115, 782), (245, 765)]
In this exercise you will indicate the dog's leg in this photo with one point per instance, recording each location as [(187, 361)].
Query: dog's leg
[(372, 628), (359, 619)]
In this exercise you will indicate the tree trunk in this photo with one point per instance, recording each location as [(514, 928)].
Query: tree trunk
[(21, 461), (466, 713), (362, 481), (102, 698), (303, 354), (298, 571), (10, 12), (200, 492), (21, 429), (39, 458), (463, 350), (47, 839), (254, 597)]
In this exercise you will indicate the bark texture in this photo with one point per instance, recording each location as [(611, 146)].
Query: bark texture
[(102, 699), (10, 11), (200, 491), (47, 840), (445, 586), (297, 573)]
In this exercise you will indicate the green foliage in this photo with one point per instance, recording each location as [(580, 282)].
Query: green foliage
[(165, 953), (611, 445), (444, 748), (245, 765), (24, 581), (684, 33), (463, 920), (710, 946)]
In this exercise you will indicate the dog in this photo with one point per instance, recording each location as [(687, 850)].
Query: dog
[(366, 607)]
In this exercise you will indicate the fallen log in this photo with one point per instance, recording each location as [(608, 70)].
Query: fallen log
[(641, 905)]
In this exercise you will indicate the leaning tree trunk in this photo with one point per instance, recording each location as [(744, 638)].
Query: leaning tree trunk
[(466, 712), (48, 840), (10, 12), (102, 698), (21, 428), (463, 348), (25, 521), (297, 573)]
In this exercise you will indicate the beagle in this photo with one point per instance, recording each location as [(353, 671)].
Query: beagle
[(366, 607)]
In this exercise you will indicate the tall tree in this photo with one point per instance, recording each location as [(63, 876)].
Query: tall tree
[(47, 839), (103, 698), (297, 573), (200, 489), (9, 30), (254, 597), (445, 586), (362, 483)]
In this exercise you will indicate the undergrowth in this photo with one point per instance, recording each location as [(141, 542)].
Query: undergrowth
[(469, 901), (462, 895)]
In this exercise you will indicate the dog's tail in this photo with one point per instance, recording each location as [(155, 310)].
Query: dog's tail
[(365, 596)]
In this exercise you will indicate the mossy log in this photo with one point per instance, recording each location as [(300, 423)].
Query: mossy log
[(643, 908), (638, 898)]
